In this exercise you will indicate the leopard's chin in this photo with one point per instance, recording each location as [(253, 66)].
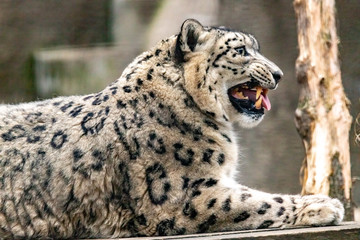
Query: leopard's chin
[(249, 99)]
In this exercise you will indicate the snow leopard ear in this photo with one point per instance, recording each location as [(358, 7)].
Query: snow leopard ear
[(187, 38)]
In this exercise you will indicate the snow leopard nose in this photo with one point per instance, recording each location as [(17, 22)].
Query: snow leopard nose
[(277, 76)]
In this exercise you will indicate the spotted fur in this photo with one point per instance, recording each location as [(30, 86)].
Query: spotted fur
[(154, 153)]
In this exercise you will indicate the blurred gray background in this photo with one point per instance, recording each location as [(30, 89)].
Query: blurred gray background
[(50, 48)]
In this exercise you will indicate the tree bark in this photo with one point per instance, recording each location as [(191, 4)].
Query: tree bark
[(322, 117)]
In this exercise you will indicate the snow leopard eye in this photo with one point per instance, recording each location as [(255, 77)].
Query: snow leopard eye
[(242, 51)]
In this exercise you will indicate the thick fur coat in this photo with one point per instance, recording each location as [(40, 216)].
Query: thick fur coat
[(154, 153)]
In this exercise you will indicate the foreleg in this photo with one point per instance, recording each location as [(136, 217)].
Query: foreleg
[(211, 207)]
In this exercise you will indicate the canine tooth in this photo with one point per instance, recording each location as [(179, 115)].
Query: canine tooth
[(258, 92), (258, 103)]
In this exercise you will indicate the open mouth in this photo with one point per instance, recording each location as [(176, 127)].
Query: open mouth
[(249, 98)]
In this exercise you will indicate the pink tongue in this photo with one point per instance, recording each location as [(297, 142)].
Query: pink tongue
[(265, 102)]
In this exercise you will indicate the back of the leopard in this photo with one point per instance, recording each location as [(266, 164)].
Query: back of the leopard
[(44, 163), (57, 169)]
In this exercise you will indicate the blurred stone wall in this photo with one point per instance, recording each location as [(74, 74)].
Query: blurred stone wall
[(26, 26), (79, 70), (172, 14)]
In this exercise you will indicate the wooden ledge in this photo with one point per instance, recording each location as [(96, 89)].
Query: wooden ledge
[(345, 231)]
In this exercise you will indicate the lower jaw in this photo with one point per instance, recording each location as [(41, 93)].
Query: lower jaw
[(248, 121), (252, 111)]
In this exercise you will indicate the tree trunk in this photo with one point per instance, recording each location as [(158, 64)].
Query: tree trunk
[(322, 116)]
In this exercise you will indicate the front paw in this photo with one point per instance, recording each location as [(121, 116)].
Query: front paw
[(319, 210)]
